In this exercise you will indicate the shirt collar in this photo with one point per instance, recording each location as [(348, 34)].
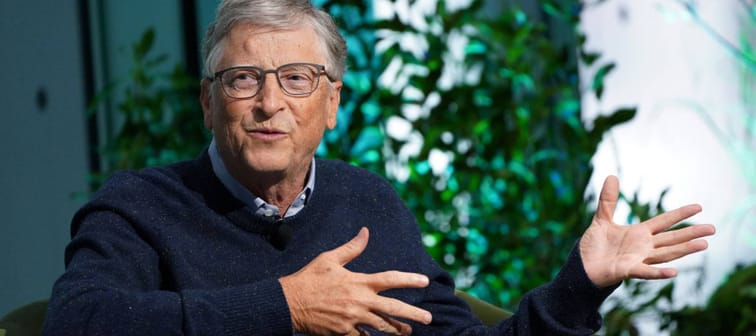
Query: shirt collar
[(251, 200)]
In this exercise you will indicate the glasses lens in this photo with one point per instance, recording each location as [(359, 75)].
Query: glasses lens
[(299, 79), (241, 83)]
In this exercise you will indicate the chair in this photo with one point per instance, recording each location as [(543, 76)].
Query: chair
[(27, 320), (485, 311)]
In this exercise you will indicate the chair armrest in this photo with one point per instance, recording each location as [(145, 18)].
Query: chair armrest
[(485, 311)]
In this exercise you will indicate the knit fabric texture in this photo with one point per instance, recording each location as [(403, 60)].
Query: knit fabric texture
[(169, 251)]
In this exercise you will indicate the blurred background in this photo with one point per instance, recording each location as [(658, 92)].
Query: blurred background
[(497, 122)]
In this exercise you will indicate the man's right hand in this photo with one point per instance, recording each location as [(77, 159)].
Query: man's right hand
[(327, 299)]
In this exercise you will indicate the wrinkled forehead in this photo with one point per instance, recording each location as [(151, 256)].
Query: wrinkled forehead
[(275, 42)]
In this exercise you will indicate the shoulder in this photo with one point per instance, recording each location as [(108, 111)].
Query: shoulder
[(363, 192), (348, 178), (148, 182), (147, 196), (155, 190), (331, 169)]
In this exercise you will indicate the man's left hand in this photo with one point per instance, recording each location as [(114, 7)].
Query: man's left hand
[(612, 253)]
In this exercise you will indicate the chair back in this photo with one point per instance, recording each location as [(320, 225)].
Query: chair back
[(26, 320)]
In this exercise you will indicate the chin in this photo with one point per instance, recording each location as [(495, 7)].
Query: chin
[(267, 167), (266, 163)]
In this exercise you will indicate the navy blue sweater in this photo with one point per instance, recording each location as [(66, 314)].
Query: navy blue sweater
[(169, 251)]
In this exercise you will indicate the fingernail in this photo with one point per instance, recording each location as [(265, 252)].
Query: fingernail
[(427, 318), (423, 280)]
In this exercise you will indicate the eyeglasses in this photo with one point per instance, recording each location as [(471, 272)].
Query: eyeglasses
[(296, 79)]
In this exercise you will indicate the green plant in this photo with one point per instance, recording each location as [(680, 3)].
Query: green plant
[(730, 310), (159, 119), (505, 210)]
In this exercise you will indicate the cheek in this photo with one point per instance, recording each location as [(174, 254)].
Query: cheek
[(232, 114), (228, 123)]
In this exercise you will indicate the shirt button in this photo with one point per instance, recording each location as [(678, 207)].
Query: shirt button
[(268, 212), (302, 197)]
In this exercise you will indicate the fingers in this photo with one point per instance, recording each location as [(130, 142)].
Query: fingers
[(352, 249), (362, 332), (389, 307), (386, 309), (383, 318), (401, 327), (669, 253), (326, 298), (386, 324), (608, 199), (669, 218), (647, 272), (395, 279), (674, 237), (393, 307), (666, 254)]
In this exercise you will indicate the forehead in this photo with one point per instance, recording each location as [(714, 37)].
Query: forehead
[(247, 44)]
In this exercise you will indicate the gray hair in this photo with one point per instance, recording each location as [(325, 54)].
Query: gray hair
[(277, 14)]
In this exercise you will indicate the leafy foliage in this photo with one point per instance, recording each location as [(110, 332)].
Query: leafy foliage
[(159, 120), (501, 107), (731, 309)]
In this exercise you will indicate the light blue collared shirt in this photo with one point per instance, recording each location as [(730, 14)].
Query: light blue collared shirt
[(254, 202)]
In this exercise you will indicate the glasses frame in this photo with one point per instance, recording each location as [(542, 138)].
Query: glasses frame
[(264, 73)]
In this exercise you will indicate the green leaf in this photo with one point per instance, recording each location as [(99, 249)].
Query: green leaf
[(603, 123), (475, 48), (370, 138), (598, 78), (144, 45), (589, 57)]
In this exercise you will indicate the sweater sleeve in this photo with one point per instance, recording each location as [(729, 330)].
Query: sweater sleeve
[(114, 285), (568, 305)]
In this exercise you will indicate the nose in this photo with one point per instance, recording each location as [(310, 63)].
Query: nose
[(270, 99)]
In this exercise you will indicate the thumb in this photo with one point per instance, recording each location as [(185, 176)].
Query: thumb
[(351, 249), (607, 202)]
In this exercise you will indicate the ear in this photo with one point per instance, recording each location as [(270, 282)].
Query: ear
[(334, 99), (205, 100)]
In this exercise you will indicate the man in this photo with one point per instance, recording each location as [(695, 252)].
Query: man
[(256, 237)]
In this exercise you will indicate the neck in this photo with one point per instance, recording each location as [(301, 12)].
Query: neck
[(275, 187), (277, 190)]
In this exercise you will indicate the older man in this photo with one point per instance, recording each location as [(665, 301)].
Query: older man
[(256, 237)]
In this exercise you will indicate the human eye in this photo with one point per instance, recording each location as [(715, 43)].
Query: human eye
[(300, 77), (242, 79)]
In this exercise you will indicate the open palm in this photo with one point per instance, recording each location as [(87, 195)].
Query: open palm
[(611, 252)]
